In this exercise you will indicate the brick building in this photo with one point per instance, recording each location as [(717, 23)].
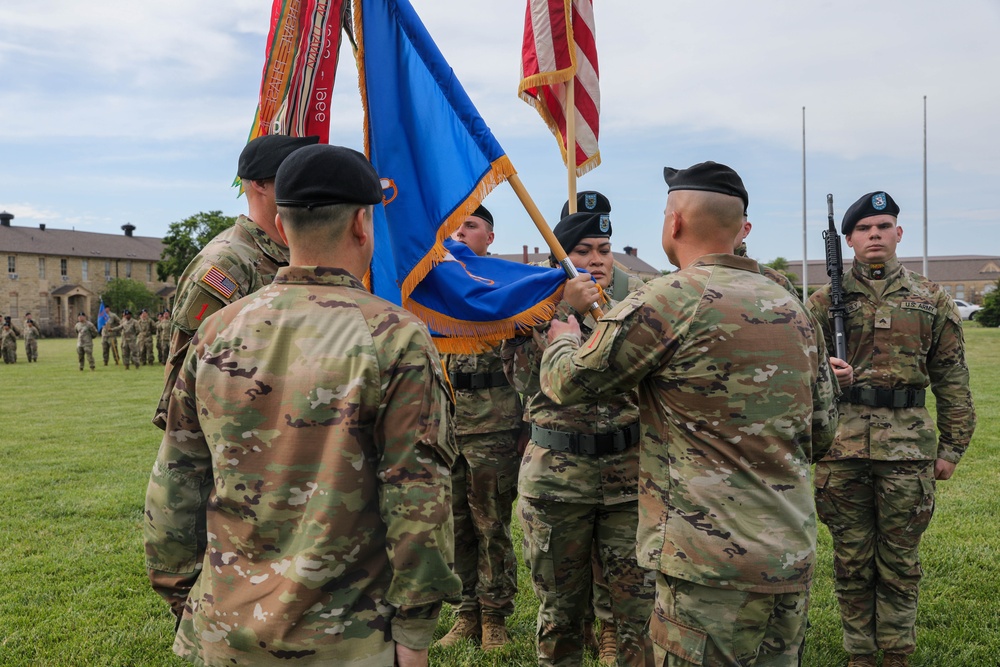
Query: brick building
[(56, 273)]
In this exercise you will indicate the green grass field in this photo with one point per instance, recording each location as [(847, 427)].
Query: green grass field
[(75, 453)]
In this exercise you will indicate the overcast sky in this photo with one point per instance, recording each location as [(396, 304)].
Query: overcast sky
[(116, 112)]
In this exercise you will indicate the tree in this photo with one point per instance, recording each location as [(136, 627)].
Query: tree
[(122, 293), (186, 238), (780, 264), (989, 316)]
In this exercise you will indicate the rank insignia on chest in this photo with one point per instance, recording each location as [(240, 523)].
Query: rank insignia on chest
[(220, 282), (883, 322)]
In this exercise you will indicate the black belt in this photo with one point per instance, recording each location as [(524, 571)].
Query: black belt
[(588, 444), (478, 380), (877, 397)]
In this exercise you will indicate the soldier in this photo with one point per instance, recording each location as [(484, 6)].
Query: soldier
[(8, 342), (875, 489), (163, 336), (237, 262), (109, 335), (736, 398), (31, 336), (484, 478), (130, 332), (145, 339), (578, 481), (85, 332), (307, 438)]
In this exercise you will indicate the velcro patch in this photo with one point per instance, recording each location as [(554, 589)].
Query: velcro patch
[(219, 281), (852, 306), (920, 305)]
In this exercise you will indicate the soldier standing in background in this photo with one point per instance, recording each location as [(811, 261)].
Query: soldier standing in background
[(163, 336), (484, 478), (31, 336), (736, 399), (578, 482), (239, 260), (145, 339), (8, 342), (324, 532), (85, 333), (130, 332), (109, 336), (875, 489)]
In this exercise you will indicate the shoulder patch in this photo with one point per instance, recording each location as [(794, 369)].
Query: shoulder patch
[(219, 281), (920, 305)]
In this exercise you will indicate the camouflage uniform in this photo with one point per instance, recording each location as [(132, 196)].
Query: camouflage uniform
[(130, 348), (85, 332), (8, 344), (875, 489), (163, 340), (484, 481), (145, 340), (570, 501), (109, 335), (736, 399), (299, 508), (31, 336), (237, 262)]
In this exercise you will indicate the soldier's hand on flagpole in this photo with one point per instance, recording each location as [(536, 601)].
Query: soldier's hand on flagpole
[(581, 292), (557, 328)]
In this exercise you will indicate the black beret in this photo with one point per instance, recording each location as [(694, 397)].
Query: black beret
[(873, 203), (324, 175), (126, 312), (484, 213), (709, 177), (82, 314), (261, 158), (582, 225), (590, 201)]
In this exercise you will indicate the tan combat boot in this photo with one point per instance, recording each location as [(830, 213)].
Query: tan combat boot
[(494, 632), (895, 660), (862, 661), (608, 647), (589, 640), (466, 627)]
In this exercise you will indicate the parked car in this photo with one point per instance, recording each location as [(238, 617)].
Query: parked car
[(967, 310)]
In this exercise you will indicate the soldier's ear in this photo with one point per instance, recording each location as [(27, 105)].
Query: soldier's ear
[(280, 227)]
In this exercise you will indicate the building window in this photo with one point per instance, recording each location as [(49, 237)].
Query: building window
[(149, 272), (63, 269), (128, 269), (41, 268), (11, 263), (960, 292), (107, 270), (85, 269)]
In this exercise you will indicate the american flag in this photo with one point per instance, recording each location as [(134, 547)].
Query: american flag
[(220, 281), (559, 47)]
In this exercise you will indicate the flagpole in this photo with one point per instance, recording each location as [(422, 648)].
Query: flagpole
[(570, 114), (550, 238)]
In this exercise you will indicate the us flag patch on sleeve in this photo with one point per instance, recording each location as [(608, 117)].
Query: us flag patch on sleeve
[(219, 281)]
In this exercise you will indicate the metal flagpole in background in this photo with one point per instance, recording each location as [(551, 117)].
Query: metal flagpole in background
[(805, 252), (925, 188)]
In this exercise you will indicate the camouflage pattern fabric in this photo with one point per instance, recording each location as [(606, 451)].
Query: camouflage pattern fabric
[(570, 501), (875, 489), (145, 339), (244, 259), (163, 328), (736, 400), (109, 335), (85, 334), (8, 345), (299, 509), (31, 336), (130, 347), (769, 273), (694, 625)]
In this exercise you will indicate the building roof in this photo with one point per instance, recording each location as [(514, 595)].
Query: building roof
[(71, 243), (951, 268), (630, 263)]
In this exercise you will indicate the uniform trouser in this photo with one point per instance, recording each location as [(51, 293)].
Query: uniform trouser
[(31, 350), (85, 351), (483, 488), (163, 347), (106, 345), (145, 351), (558, 543), (9, 354), (876, 512), (714, 627), (130, 352)]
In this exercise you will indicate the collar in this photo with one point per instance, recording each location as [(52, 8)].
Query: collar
[(267, 245), (728, 260), (317, 275), (867, 272)]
